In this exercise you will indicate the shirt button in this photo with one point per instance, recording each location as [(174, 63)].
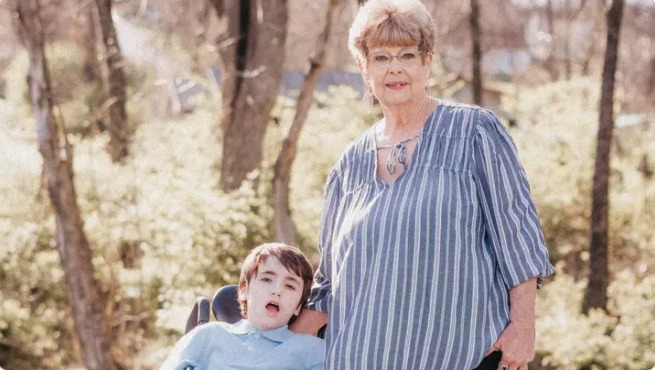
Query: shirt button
[(257, 335)]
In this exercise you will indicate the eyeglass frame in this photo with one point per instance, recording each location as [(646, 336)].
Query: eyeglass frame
[(420, 53)]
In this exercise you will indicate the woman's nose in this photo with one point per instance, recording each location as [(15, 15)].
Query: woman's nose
[(395, 65)]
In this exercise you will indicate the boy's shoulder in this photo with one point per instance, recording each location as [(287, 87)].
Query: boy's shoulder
[(211, 329), (307, 342), (308, 351)]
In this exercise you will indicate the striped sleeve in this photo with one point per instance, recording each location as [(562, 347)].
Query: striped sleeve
[(512, 226), (321, 290)]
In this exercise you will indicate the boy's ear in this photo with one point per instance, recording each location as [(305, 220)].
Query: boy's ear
[(297, 311), (242, 291)]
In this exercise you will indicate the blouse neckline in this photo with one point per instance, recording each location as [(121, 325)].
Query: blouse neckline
[(427, 126)]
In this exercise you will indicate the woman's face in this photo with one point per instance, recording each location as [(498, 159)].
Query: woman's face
[(397, 75)]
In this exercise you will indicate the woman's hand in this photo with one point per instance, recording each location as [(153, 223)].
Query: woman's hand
[(517, 345), (309, 322), (517, 340)]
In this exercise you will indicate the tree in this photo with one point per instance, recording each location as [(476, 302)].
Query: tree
[(75, 254), (113, 81), (476, 52), (283, 224), (252, 55), (596, 293), (550, 60)]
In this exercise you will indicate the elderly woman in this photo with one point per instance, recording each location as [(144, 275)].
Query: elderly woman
[(430, 243)]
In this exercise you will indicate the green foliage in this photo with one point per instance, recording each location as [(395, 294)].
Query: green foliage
[(556, 140), (566, 339), (34, 316)]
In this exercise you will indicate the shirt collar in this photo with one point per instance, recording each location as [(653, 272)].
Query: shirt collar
[(277, 335)]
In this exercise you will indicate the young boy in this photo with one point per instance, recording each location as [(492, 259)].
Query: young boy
[(274, 285)]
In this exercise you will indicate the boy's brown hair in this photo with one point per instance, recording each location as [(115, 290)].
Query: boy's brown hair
[(290, 257)]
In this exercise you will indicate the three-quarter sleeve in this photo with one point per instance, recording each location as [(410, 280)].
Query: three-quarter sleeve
[(321, 290), (512, 227)]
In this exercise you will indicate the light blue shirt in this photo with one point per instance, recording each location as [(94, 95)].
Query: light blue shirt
[(219, 345), (416, 274)]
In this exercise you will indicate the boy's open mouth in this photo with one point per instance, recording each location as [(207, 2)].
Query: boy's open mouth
[(273, 307)]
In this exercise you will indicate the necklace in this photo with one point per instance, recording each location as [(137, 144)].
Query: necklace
[(398, 152)]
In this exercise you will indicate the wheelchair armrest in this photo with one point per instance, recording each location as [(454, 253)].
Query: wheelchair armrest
[(321, 332)]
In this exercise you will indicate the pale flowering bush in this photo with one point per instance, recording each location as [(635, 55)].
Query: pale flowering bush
[(624, 338)]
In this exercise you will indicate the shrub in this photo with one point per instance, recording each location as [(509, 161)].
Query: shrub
[(622, 339)]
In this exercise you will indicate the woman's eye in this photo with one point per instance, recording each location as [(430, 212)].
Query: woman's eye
[(408, 56), (381, 58), (265, 279)]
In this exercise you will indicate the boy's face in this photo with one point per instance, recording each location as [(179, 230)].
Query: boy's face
[(273, 295)]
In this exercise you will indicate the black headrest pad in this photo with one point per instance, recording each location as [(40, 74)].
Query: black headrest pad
[(225, 304)]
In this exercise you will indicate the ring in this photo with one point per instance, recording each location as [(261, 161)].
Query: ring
[(502, 367)]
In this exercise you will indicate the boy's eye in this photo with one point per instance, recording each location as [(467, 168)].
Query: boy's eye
[(290, 286)]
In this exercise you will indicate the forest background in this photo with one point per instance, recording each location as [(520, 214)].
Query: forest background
[(163, 226)]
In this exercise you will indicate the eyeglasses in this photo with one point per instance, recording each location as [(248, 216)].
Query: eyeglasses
[(405, 57)]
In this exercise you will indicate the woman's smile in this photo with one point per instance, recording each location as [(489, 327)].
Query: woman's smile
[(396, 85)]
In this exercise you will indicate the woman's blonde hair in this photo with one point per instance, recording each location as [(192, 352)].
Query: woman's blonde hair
[(391, 23)]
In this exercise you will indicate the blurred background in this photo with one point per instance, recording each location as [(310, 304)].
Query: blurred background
[(178, 119)]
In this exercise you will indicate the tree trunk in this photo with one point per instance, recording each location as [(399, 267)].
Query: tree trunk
[(200, 36), (477, 53), (596, 293), (550, 60), (568, 63), (91, 67), (88, 305), (285, 230), (650, 86), (113, 82), (252, 56)]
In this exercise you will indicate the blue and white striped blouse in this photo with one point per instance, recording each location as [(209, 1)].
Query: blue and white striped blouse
[(415, 274)]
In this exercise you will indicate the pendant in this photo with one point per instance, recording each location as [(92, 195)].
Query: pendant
[(397, 155)]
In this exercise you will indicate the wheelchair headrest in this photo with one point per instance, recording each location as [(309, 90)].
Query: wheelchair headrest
[(225, 304), (199, 314)]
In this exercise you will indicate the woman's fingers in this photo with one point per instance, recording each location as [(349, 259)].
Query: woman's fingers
[(495, 347)]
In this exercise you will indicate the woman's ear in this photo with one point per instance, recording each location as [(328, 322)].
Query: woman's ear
[(360, 66), (362, 71), (430, 58)]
